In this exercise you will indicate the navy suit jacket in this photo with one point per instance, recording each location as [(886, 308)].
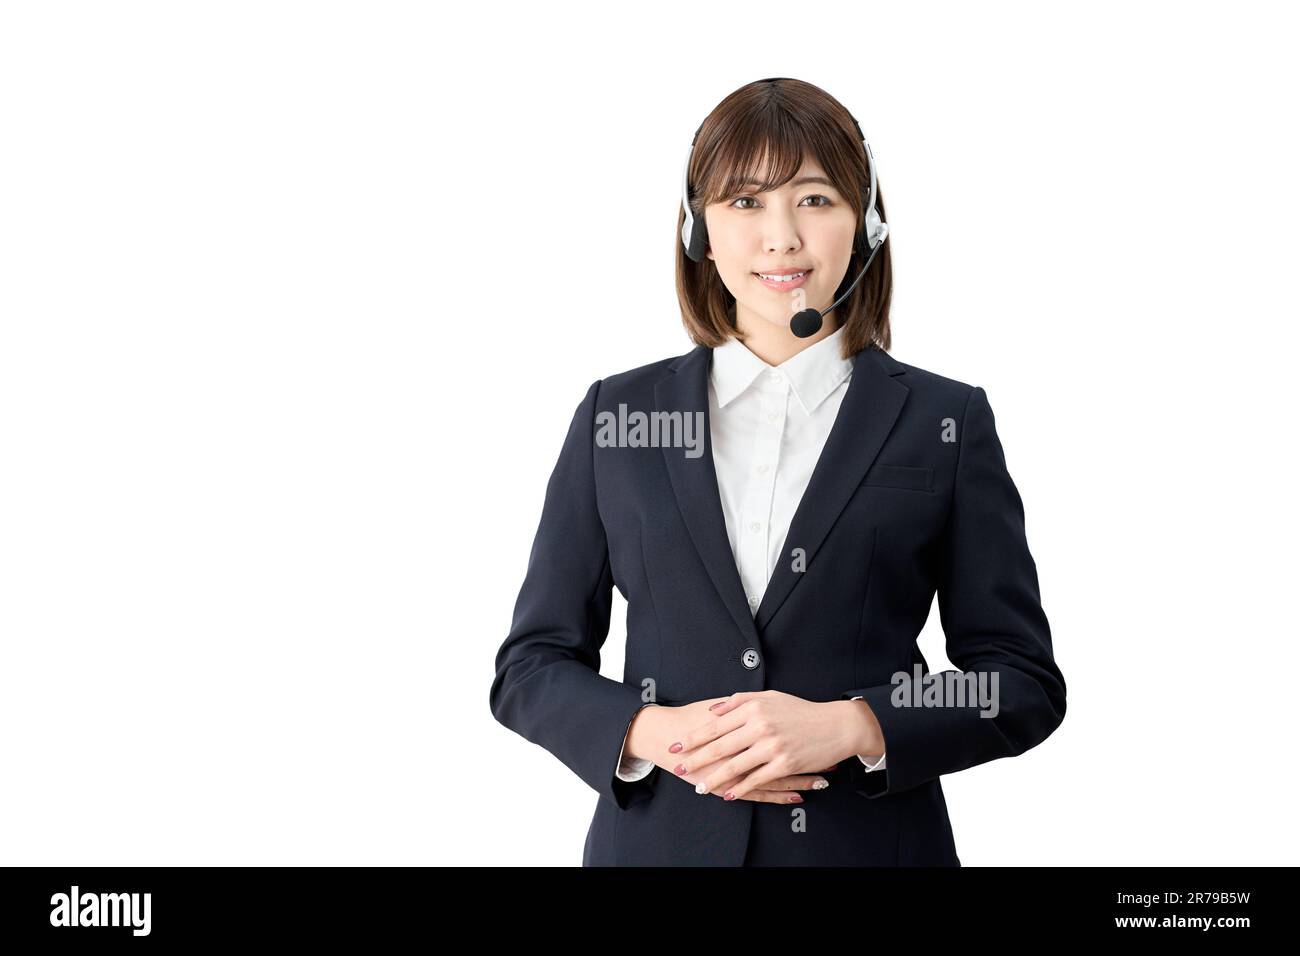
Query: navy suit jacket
[(910, 496)]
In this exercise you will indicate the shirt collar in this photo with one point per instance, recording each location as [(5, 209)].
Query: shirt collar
[(813, 374)]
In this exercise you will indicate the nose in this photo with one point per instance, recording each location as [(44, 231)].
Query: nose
[(780, 231), (781, 241)]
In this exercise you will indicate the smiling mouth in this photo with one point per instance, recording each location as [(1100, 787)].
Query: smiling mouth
[(782, 276)]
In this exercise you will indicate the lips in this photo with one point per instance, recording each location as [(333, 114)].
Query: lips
[(783, 284)]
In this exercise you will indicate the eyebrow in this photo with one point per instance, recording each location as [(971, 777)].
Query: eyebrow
[(822, 180)]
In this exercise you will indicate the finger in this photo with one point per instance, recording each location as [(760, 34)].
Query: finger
[(714, 774), (799, 781), (728, 704), (725, 786), (729, 744), (772, 796), (708, 731), (827, 770), (760, 794), (763, 773), (694, 778)]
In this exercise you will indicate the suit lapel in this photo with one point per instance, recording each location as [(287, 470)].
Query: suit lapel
[(695, 483), (866, 416)]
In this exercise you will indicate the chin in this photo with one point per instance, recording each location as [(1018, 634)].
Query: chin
[(778, 321)]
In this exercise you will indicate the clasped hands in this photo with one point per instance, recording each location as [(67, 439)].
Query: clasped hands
[(755, 745)]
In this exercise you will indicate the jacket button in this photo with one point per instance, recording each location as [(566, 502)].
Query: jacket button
[(749, 658)]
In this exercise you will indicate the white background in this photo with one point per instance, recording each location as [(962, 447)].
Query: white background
[(298, 301)]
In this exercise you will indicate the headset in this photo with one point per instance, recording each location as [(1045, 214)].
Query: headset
[(695, 235)]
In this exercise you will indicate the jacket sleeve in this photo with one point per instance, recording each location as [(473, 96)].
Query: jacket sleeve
[(993, 623), (548, 687)]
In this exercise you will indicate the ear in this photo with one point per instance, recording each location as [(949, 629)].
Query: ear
[(709, 252)]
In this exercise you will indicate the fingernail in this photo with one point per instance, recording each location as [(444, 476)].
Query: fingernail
[(821, 784), (795, 798), (717, 705), (701, 788), (679, 769), (675, 748), (728, 796)]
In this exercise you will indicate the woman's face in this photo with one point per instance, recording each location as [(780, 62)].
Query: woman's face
[(804, 226)]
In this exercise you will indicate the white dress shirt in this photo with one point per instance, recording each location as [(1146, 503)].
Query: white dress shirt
[(768, 425)]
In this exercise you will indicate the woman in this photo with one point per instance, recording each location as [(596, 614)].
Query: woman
[(779, 510)]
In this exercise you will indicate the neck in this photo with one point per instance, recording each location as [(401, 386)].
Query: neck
[(774, 343)]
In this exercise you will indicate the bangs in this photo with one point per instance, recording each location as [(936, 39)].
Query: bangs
[(767, 154)]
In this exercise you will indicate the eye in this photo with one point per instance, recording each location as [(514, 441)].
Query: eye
[(824, 201)]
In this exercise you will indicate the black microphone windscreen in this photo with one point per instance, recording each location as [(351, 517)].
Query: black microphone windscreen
[(806, 323)]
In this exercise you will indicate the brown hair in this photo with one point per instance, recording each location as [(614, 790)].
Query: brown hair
[(783, 120)]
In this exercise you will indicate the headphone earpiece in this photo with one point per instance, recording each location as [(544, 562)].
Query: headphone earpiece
[(875, 229), (695, 234)]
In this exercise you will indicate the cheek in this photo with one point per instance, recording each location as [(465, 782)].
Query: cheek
[(833, 247), (727, 245), (731, 239), (731, 260)]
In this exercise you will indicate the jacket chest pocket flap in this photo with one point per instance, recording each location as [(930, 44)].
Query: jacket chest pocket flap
[(907, 477)]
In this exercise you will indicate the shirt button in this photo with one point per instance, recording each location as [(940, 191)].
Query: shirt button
[(755, 526), (749, 657), (773, 416), (753, 602), (777, 377), (762, 469)]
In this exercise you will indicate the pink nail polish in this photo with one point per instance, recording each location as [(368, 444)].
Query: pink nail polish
[(796, 799), (728, 796), (717, 705), (675, 748), (679, 770)]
